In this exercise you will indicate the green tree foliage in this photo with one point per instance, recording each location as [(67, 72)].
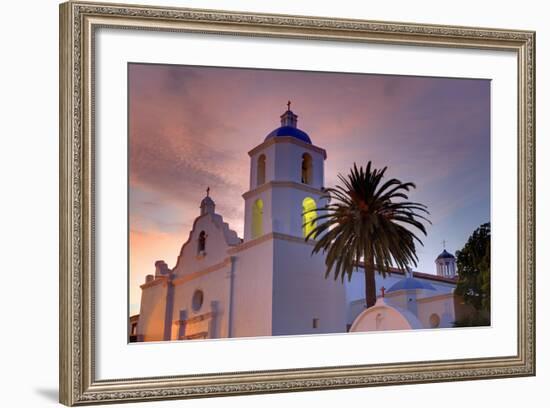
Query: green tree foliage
[(368, 219), (474, 275)]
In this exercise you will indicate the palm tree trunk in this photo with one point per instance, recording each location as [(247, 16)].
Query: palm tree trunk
[(370, 282)]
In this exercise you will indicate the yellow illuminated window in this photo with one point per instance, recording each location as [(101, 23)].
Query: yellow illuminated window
[(308, 215)]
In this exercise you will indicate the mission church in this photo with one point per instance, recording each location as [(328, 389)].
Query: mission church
[(269, 283)]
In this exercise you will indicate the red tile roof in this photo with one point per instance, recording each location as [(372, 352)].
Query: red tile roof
[(420, 275)]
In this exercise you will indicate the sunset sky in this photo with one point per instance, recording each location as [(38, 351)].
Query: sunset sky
[(191, 127)]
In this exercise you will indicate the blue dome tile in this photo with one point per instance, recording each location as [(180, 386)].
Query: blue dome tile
[(410, 284), (289, 131)]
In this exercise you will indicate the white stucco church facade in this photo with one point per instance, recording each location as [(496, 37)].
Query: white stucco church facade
[(269, 283)]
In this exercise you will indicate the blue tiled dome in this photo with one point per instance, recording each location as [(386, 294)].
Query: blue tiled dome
[(289, 131), (289, 127), (410, 284), (445, 255)]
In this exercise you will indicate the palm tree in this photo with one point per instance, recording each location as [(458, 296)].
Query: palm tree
[(367, 220)]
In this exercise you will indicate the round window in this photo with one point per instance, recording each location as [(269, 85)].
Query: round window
[(198, 299), (434, 321)]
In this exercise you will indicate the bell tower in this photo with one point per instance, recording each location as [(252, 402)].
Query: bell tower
[(286, 179), (446, 264)]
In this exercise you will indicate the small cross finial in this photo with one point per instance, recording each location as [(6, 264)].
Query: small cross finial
[(444, 242), (288, 105), (383, 290), (207, 191)]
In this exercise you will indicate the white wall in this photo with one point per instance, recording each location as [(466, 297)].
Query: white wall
[(215, 287), (443, 307), (288, 163), (300, 294), (253, 285), (152, 312), (28, 168)]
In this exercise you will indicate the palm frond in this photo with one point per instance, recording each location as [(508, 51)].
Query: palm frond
[(368, 218)]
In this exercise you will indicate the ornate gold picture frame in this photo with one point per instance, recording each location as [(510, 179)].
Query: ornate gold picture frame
[(79, 22)]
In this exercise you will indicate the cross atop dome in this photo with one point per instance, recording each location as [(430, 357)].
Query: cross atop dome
[(289, 118), (289, 127), (207, 204)]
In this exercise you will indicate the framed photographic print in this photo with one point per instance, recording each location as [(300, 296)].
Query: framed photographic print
[(260, 203)]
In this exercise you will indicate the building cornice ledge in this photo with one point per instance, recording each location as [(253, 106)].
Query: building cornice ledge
[(285, 184), (268, 237), (202, 272), (435, 297), (157, 281)]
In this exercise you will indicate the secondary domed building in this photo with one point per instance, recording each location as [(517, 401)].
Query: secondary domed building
[(446, 264), (385, 316), (267, 282), (410, 303)]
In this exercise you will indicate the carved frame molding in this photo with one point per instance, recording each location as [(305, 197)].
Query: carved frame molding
[(78, 22)]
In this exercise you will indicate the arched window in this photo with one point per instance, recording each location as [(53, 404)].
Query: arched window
[(197, 300), (435, 320), (202, 242), (257, 218), (308, 215), (307, 169), (260, 174)]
